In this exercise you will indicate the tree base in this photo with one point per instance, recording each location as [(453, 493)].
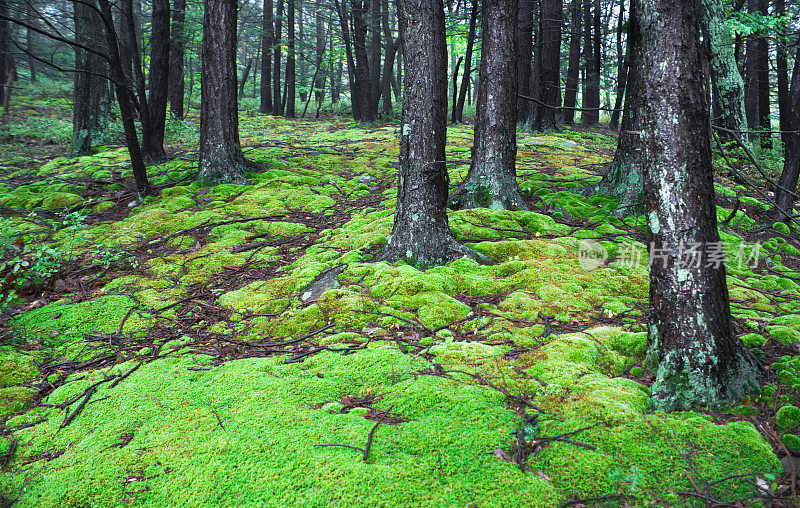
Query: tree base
[(486, 193), (682, 384), (622, 182), (431, 254)]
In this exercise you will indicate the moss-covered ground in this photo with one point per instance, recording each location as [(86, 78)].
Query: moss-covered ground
[(166, 353)]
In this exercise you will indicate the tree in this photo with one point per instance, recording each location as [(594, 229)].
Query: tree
[(221, 157), (549, 66), (277, 103), (492, 181), (725, 77), (289, 100), (524, 56), (787, 184), (158, 84), (5, 56), (623, 61), (177, 53), (623, 180), (458, 114), (92, 101), (701, 364), (782, 73), (266, 60), (421, 231), (591, 53), (573, 65)]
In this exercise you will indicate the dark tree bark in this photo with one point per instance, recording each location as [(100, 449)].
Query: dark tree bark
[(455, 88), (623, 180), (623, 61), (158, 83), (549, 66), (375, 56), (30, 36), (356, 93), (701, 364), (362, 75), (762, 61), (318, 83), (421, 232), (784, 201), (92, 103), (525, 15), (245, 75), (751, 74), (221, 157), (591, 84), (574, 61), (465, 80), (266, 60), (176, 56), (290, 62), (125, 101), (726, 80), (277, 103), (491, 181), (782, 74), (388, 62)]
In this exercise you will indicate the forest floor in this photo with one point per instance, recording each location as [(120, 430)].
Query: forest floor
[(177, 351)]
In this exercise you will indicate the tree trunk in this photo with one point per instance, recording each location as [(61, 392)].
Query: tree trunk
[(158, 83), (245, 75), (318, 84), (375, 58), (177, 54), (573, 65), (362, 75), (701, 364), (465, 80), (92, 104), (266, 59), (525, 53), (492, 181), (726, 81), (5, 38), (623, 180), (455, 88), (784, 201), (125, 100), (30, 36), (549, 66), (751, 75), (623, 60), (421, 232), (290, 62), (762, 49), (221, 157), (277, 104), (388, 62), (591, 83), (352, 79), (782, 71)]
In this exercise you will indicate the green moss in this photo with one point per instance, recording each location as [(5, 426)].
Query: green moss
[(781, 228), (14, 399), (788, 417), (791, 441)]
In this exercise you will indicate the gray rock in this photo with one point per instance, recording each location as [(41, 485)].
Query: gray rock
[(324, 281), (567, 144), (366, 178)]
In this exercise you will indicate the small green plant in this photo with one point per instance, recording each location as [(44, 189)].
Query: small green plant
[(633, 477)]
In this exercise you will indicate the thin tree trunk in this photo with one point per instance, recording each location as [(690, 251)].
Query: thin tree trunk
[(290, 62), (92, 104), (458, 115), (246, 74), (421, 232), (623, 180), (623, 60), (573, 65), (591, 83), (455, 88), (125, 100), (375, 58), (277, 105), (762, 51), (700, 362), (525, 54), (5, 43), (549, 62), (158, 83), (726, 81), (321, 42), (177, 55), (221, 157), (751, 75), (784, 200), (363, 84), (30, 36), (355, 92), (266, 58), (492, 180), (782, 72)]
